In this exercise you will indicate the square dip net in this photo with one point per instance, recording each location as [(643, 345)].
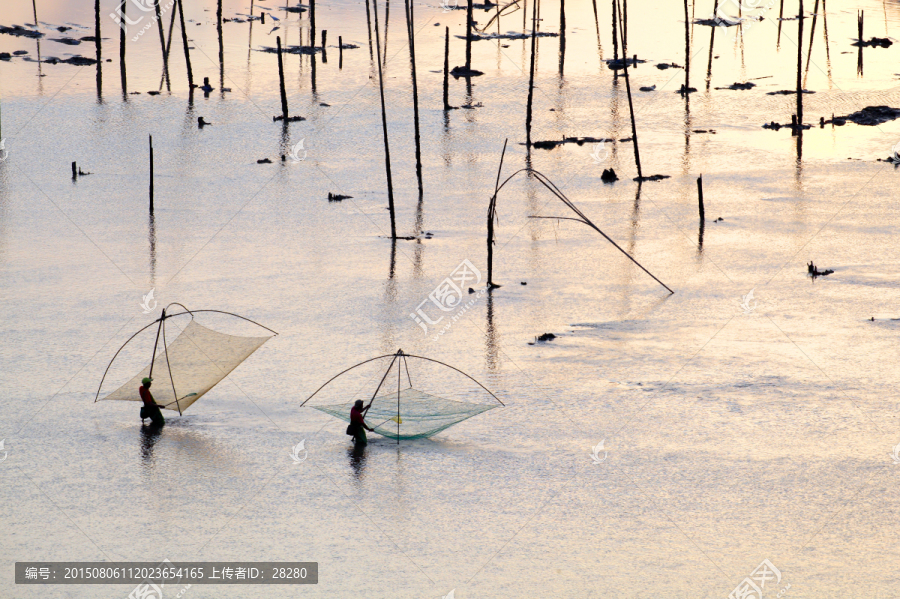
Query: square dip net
[(398, 409)]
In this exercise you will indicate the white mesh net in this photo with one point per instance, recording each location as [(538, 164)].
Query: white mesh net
[(198, 358)]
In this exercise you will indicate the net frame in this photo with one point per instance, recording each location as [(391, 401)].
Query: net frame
[(161, 330), (401, 355)]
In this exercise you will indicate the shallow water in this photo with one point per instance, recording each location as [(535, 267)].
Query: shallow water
[(732, 433)]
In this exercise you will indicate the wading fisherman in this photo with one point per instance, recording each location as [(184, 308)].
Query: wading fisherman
[(358, 426), (150, 409)]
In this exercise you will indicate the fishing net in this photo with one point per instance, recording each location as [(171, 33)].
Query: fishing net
[(198, 358), (420, 414), (414, 398)]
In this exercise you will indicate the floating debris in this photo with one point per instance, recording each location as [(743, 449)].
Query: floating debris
[(201, 122), (66, 40), (668, 65), (5, 56), (718, 22), (336, 197), (703, 131), (292, 50), (776, 126), (545, 337), (651, 178), (788, 92), (609, 176), (348, 46), (736, 86), (815, 272), (617, 63), (471, 106), (20, 52), (685, 90), (510, 35), (290, 119), (550, 144), (875, 42), (458, 72), (870, 116), (78, 61), (648, 89), (19, 31), (264, 161)]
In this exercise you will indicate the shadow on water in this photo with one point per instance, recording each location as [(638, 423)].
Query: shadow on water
[(150, 434), (357, 455)]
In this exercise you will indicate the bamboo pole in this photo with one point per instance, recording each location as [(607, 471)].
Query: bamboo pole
[(387, 149), (340, 52)]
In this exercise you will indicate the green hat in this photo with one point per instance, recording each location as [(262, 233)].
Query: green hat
[(146, 380)]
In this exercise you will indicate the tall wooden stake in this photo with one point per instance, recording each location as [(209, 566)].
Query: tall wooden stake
[(151, 174), (799, 67), (387, 149), (415, 90), (184, 41), (446, 67), (637, 154), (700, 198), (491, 217), (469, 35), (162, 41), (531, 75), (340, 52), (284, 103), (121, 53)]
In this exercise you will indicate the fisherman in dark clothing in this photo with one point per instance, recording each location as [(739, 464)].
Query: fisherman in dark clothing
[(150, 409), (358, 426)]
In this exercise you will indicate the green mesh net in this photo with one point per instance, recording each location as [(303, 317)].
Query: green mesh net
[(420, 414)]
